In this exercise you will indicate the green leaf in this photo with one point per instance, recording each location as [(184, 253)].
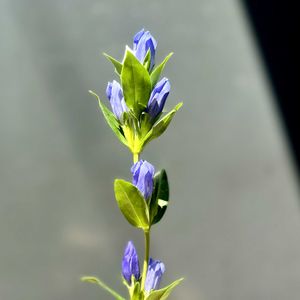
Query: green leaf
[(161, 125), (132, 204), (135, 83), (116, 63), (160, 197), (97, 281), (163, 294), (111, 120), (158, 70)]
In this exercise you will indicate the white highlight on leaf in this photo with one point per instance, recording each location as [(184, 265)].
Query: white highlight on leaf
[(162, 203)]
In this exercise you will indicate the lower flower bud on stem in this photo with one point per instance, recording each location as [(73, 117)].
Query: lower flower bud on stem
[(146, 258)]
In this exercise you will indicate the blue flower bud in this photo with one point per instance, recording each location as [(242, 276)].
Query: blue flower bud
[(142, 42), (155, 271), (158, 97), (115, 95), (142, 177), (130, 263)]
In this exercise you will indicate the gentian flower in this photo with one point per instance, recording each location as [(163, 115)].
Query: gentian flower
[(155, 271), (142, 177), (115, 95), (130, 263), (142, 42), (158, 97)]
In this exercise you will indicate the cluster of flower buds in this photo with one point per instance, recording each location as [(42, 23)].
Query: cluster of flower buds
[(138, 99), (136, 117), (131, 269)]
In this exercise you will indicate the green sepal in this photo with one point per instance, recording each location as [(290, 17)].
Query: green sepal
[(159, 128), (136, 83), (164, 293), (132, 204), (147, 60), (128, 127), (132, 131), (158, 70), (136, 292), (97, 281), (160, 197), (134, 289), (116, 63), (145, 123), (111, 120)]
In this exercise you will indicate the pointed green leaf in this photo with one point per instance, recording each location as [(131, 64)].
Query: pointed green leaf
[(132, 204), (158, 70), (116, 63), (111, 120), (135, 83), (160, 197), (164, 293), (161, 125), (97, 281)]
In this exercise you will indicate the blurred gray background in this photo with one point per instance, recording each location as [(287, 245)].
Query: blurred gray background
[(232, 229)]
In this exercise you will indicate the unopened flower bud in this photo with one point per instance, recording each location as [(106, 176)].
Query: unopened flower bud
[(156, 268), (142, 177), (130, 263), (142, 42), (115, 95)]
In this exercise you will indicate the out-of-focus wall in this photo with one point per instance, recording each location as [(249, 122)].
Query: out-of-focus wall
[(232, 228)]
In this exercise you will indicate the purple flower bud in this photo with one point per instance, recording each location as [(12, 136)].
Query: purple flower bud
[(130, 263), (115, 95), (158, 97), (155, 271), (142, 42), (142, 177)]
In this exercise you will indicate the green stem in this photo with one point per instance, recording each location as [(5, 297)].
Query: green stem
[(146, 258), (135, 157)]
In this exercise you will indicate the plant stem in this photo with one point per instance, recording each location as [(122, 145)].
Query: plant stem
[(147, 242), (135, 157), (146, 258)]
